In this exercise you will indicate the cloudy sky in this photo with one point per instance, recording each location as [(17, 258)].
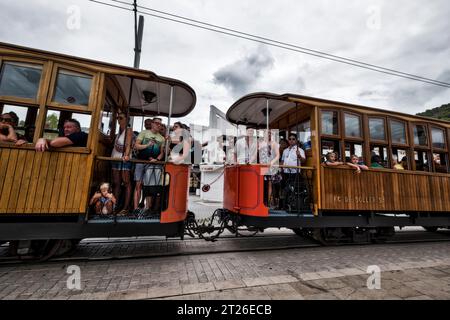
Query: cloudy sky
[(407, 35)]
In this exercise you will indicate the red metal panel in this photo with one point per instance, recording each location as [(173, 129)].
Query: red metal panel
[(178, 193)]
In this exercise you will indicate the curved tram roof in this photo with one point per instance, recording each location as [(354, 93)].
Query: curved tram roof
[(250, 110), (143, 80)]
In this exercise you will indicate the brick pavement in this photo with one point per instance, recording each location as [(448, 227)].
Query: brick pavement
[(409, 271)]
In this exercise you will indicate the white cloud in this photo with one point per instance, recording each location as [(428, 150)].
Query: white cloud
[(412, 37)]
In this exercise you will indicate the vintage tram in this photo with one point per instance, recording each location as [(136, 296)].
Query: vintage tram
[(334, 203), (44, 195)]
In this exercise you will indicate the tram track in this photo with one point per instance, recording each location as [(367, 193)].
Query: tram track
[(126, 249)]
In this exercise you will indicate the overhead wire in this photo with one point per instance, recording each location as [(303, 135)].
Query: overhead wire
[(275, 43)]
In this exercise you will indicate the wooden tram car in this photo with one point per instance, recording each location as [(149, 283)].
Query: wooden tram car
[(339, 204), (44, 196)]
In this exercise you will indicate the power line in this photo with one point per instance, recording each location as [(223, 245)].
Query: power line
[(279, 44)]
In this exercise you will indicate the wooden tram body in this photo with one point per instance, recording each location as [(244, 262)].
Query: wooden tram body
[(45, 195), (376, 199)]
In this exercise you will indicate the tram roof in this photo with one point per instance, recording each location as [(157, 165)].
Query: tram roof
[(250, 110), (184, 97)]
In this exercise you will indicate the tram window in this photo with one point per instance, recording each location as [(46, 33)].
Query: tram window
[(398, 132), (382, 152), (24, 124), (106, 124), (353, 149), (420, 135), (54, 122), (377, 129), (330, 123), (422, 160), (329, 146), (20, 80), (303, 134), (401, 156), (72, 88), (352, 125), (440, 162), (438, 138)]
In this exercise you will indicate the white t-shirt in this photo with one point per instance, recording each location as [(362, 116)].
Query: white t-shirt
[(290, 158)]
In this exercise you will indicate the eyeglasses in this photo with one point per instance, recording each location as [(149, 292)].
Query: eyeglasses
[(6, 119)]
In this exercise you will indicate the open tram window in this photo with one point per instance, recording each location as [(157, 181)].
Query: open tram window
[(329, 146), (440, 162), (55, 119), (352, 148), (107, 124), (422, 160), (22, 119), (382, 152), (20, 80), (329, 123), (303, 133), (400, 159)]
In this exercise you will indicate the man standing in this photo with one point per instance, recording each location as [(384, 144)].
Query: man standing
[(150, 147), (292, 156), (73, 137)]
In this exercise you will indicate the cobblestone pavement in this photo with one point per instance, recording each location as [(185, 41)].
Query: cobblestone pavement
[(409, 271)]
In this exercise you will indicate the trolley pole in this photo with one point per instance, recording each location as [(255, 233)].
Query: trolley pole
[(138, 33)]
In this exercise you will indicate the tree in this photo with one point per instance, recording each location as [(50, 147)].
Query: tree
[(52, 121)]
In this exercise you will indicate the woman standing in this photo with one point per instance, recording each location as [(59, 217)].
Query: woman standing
[(121, 169)]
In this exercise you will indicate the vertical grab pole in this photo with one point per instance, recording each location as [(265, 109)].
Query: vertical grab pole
[(166, 151), (268, 155)]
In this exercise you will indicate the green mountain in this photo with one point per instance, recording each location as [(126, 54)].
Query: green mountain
[(442, 112)]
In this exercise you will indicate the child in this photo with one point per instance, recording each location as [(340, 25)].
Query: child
[(331, 159), (356, 164), (104, 200)]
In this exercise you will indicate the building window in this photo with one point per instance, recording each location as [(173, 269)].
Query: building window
[(398, 132), (352, 126), (438, 138), (20, 80), (330, 123), (72, 88), (377, 129), (420, 135)]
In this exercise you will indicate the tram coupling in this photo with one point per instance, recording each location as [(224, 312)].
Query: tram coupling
[(211, 228)]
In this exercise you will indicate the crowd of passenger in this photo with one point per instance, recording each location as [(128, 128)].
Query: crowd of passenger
[(137, 185)]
